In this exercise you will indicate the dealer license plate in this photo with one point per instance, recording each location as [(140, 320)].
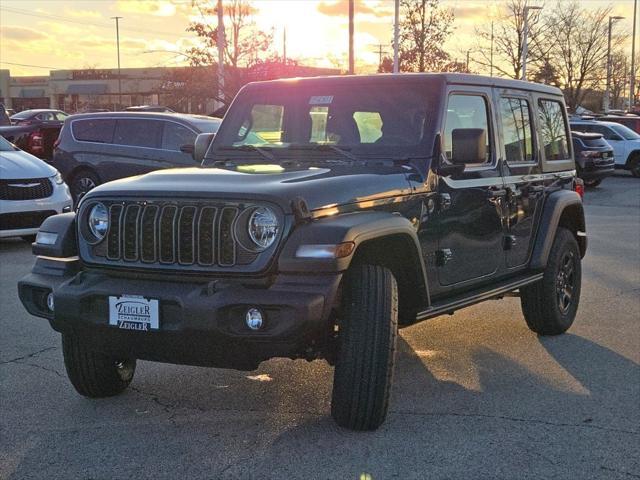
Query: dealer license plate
[(133, 312)]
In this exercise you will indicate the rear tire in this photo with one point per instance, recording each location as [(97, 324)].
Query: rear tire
[(83, 182), (95, 374), (366, 350), (550, 305)]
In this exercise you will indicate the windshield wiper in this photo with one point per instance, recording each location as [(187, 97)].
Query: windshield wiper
[(251, 148), (325, 147)]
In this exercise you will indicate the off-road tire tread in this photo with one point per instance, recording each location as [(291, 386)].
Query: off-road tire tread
[(538, 300), (93, 374), (364, 370)]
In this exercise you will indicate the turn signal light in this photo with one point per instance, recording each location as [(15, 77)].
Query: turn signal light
[(578, 187)]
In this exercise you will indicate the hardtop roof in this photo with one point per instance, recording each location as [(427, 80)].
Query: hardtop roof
[(444, 78)]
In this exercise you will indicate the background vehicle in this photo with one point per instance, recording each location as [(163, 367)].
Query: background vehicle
[(625, 142), (335, 210), (100, 147), (4, 116), (30, 192), (41, 117), (594, 157), (149, 108), (631, 121)]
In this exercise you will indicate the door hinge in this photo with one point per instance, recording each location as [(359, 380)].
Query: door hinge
[(443, 256)]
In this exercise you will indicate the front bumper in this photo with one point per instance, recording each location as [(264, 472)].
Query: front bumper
[(60, 201), (201, 323)]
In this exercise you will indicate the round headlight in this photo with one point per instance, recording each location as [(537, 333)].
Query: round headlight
[(263, 227), (99, 220)]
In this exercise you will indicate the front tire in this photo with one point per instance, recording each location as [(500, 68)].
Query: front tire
[(634, 165), (366, 350), (550, 305), (95, 374)]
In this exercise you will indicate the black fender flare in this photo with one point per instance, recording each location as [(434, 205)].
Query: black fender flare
[(562, 206), (63, 226), (361, 228)]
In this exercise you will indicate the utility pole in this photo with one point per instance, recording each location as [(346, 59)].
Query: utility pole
[(351, 59), (221, 41), (117, 19), (525, 33), (284, 46), (467, 68), (632, 80), (381, 52), (396, 36), (607, 92)]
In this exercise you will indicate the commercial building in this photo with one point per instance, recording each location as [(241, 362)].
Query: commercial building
[(185, 89)]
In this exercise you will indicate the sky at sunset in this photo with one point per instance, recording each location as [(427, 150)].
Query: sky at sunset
[(64, 34)]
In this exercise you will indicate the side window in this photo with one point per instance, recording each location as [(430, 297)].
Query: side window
[(100, 131), (61, 116), (138, 133), (175, 136), (263, 126), (369, 125), (554, 135), (467, 111), (516, 129)]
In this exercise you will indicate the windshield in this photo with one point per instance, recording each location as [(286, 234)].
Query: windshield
[(367, 119), (5, 146), (22, 115), (625, 132)]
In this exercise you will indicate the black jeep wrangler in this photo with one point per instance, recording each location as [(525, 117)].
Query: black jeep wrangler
[(327, 213)]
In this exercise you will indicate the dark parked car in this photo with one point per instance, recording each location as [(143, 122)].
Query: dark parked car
[(94, 148), (331, 212), (630, 121), (40, 117), (149, 108), (594, 157)]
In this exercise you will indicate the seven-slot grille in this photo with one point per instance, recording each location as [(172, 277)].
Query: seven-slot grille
[(174, 234), (25, 189)]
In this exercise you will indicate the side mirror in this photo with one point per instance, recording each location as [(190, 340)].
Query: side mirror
[(201, 145), (441, 165), (468, 145)]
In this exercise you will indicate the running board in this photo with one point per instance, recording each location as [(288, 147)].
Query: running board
[(450, 305)]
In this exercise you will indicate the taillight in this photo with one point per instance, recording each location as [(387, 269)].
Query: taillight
[(578, 187)]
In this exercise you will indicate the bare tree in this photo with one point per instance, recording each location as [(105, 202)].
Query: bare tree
[(424, 27), (245, 46), (507, 40), (578, 39), (619, 79)]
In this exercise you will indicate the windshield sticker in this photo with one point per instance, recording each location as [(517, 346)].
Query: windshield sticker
[(321, 100)]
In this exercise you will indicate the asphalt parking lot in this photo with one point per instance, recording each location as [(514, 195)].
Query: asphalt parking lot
[(476, 395)]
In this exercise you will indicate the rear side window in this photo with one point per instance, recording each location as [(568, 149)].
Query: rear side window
[(138, 133), (516, 128), (554, 134), (94, 130), (175, 136)]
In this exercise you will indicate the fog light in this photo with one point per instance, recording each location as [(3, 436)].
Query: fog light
[(50, 304), (254, 319)]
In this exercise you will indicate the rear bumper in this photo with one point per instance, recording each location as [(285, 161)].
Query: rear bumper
[(594, 171), (200, 323)]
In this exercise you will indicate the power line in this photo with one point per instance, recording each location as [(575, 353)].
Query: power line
[(83, 23), (27, 65)]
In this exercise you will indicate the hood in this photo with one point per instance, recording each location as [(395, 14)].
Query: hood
[(19, 164), (318, 186)]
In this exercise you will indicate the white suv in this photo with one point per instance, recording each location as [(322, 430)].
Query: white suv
[(30, 191), (625, 142)]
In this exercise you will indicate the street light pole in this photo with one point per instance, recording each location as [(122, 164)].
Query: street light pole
[(117, 19), (525, 33), (632, 81), (351, 59), (396, 36), (605, 100)]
